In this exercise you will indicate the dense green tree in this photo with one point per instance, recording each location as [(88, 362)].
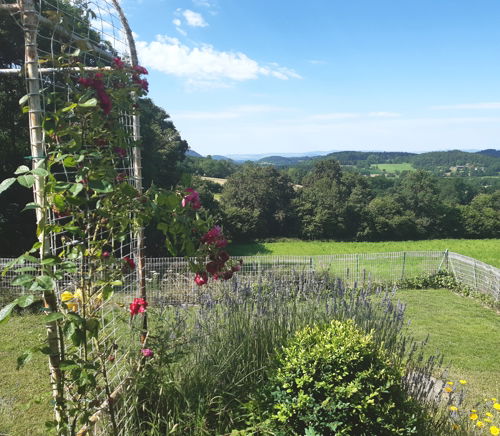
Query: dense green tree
[(419, 193), (208, 167), (482, 217), (163, 148), (257, 202), (331, 204)]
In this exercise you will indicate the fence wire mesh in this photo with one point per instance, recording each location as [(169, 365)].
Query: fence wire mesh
[(170, 281)]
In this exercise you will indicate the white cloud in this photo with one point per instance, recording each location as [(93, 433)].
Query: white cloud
[(194, 19), (204, 64), (176, 22), (473, 106)]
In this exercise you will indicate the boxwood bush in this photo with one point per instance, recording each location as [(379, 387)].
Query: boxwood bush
[(334, 379)]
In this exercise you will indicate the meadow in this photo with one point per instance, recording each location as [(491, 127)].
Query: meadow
[(393, 168), (485, 250)]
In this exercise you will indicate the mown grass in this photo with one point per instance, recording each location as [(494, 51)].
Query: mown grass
[(25, 393), (392, 168), (464, 331), (485, 250)]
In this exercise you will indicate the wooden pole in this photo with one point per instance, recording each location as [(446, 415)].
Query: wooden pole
[(136, 129), (30, 20)]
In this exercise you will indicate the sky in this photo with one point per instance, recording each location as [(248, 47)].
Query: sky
[(275, 76)]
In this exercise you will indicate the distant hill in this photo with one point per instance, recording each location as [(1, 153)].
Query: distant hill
[(285, 161), (219, 157), (193, 153), (490, 152)]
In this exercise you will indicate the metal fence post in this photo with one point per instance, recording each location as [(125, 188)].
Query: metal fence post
[(404, 265)]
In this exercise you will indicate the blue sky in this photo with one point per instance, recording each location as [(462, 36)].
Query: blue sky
[(254, 76)]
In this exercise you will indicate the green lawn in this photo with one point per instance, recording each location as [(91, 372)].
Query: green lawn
[(486, 250), (392, 168), (24, 394), (464, 331)]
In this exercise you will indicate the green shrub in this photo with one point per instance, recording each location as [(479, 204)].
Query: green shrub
[(333, 379)]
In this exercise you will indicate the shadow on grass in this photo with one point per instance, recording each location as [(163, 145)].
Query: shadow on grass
[(248, 249)]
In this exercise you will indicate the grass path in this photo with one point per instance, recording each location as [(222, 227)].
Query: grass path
[(486, 250), (464, 331)]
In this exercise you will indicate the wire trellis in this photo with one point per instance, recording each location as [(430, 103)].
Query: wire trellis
[(97, 33)]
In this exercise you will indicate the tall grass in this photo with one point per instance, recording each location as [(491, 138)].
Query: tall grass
[(211, 360)]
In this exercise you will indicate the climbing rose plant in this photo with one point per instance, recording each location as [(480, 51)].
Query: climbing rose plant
[(90, 214)]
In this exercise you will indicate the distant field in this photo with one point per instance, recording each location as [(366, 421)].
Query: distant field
[(392, 168), (486, 250)]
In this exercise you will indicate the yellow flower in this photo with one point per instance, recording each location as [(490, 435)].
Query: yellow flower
[(453, 408), (489, 414), (462, 382), (494, 430), (73, 307), (473, 410), (488, 420), (78, 294), (473, 416), (450, 383), (66, 296), (496, 406), (447, 389), (494, 400), (480, 424)]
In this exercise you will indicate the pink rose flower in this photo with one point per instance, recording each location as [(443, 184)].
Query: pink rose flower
[(146, 352)]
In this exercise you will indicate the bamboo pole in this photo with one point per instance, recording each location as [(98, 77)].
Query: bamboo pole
[(136, 126), (30, 21)]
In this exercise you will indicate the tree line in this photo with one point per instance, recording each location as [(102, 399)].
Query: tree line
[(334, 203)]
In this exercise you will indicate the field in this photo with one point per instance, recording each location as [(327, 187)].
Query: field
[(485, 250), (393, 168), (464, 331)]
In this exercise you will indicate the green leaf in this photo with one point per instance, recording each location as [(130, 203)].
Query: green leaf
[(70, 107), (6, 184), (23, 99), (75, 189), (43, 283), (5, 312), (23, 359), (92, 326), (26, 180), (21, 169), (67, 364), (89, 103), (42, 172), (101, 186), (49, 261), (24, 280), (107, 292), (25, 300), (31, 206), (54, 316)]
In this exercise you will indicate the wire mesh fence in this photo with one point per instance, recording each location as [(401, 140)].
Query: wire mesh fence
[(170, 281)]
